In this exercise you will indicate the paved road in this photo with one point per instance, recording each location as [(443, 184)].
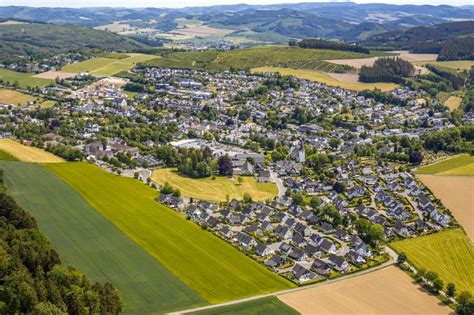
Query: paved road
[(277, 180), (391, 261)]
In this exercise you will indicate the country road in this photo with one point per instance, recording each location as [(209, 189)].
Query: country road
[(391, 261)]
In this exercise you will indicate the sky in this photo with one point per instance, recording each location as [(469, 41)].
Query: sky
[(184, 3)]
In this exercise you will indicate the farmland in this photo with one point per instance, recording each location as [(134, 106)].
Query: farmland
[(106, 66), (92, 244), (385, 291), (14, 97), (456, 193), (28, 154), (448, 253), (458, 65), (218, 189), (263, 306), (453, 102), (208, 265), (5, 156), (24, 79), (322, 77), (461, 165)]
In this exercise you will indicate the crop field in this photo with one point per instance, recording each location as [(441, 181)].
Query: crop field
[(453, 102), (52, 75), (325, 78), (217, 189), (456, 193), (462, 165), (458, 65), (92, 244), (264, 306), (448, 253), (385, 291), (28, 154), (106, 66), (14, 98), (208, 265), (24, 79)]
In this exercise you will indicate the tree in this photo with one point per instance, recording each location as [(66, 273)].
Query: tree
[(298, 198), (437, 284), (247, 198), (167, 189), (415, 157), (339, 187), (240, 180), (402, 257), (362, 227), (451, 289), (315, 202), (224, 165), (431, 276), (376, 233)]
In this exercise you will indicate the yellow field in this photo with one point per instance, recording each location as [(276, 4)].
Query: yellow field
[(453, 102), (47, 104), (385, 291), (106, 66), (28, 154), (215, 190), (456, 193), (319, 76), (12, 97), (456, 65)]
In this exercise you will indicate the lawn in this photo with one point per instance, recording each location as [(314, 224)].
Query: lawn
[(107, 66), (448, 253), (92, 244), (319, 76), (208, 265), (28, 154), (217, 189), (24, 79), (14, 97), (462, 165), (264, 306)]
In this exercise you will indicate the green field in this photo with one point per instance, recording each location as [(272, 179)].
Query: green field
[(5, 156), (211, 267), (8, 96), (92, 244), (107, 66), (323, 77), (264, 306), (24, 79), (215, 190), (448, 253), (247, 58), (458, 65), (462, 165)]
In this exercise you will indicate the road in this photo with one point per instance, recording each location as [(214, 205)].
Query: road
[(277, 180), (391, 261)]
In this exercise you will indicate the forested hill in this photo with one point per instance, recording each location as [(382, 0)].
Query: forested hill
[(36, 41), (454, 40)]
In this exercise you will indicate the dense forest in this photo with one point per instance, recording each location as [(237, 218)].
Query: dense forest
[(452, 41), (459, 139), (325, 44), (38, 41), (32, 278), (387, 70)]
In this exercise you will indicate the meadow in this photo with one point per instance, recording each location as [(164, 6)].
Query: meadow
[(385, 291), (24, 79), (89, 242), (208, 265), (5, 156), (14, 98), (323, 77), (458, 65), (264, 306), (462, 165), (28, 154), (215, 190), (448, 253), (102, 66)]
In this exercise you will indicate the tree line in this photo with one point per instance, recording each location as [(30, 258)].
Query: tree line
[(33, 279), (325, 44)]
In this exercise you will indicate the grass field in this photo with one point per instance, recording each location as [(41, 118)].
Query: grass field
[(459, 65), (215, 190), (385, 291), (322, 77), (453, 102), (265, 306), (28, 154), (107, 66), (456, 193), (92, 244), (24, 79), (5, 156), (14, 97), (207, 264), (462, 165), (448, 253)]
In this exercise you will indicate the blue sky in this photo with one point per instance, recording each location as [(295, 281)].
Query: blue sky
[(183, 3)]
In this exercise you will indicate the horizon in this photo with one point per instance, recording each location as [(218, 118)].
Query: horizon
[(180, 4)]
